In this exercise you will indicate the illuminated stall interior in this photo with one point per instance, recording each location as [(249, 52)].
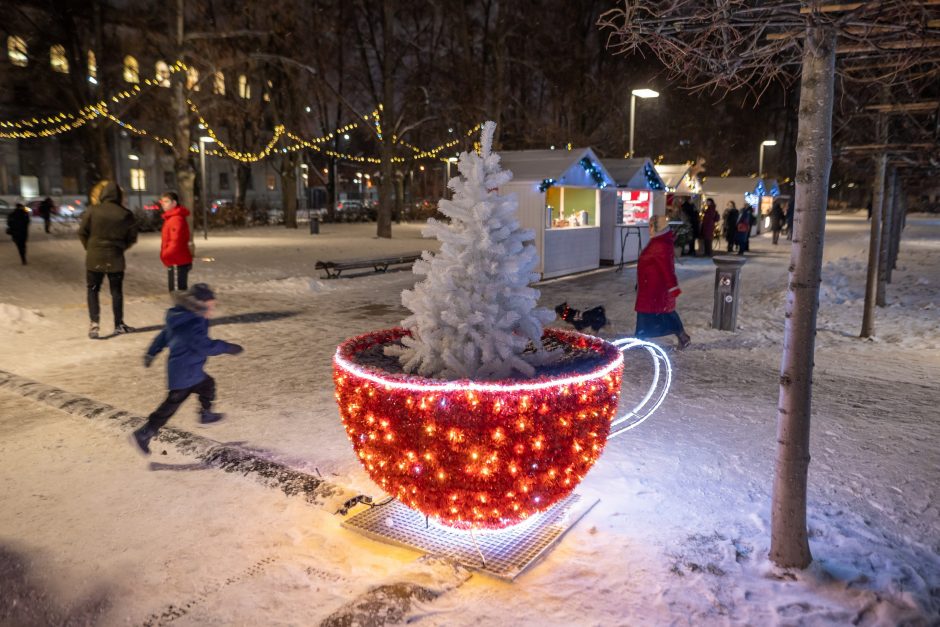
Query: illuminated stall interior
[(639, 194), (560, 198)]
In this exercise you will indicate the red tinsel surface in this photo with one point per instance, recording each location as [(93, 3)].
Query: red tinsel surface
[(477, 455)]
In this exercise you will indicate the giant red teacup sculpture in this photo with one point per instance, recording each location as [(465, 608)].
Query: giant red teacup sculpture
[(483, 454)]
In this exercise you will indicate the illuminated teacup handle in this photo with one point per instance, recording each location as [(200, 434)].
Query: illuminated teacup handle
[(653, 399)]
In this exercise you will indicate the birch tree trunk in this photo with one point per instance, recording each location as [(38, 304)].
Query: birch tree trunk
[(899, 200), (874, 247), (789, 544), (887, 235)]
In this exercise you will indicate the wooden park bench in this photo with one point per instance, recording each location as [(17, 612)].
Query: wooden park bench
[(379, 264)]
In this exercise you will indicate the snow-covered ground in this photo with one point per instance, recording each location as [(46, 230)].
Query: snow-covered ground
[(680, 535)]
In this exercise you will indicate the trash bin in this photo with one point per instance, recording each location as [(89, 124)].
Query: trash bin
[(314, 225), (727, 281)]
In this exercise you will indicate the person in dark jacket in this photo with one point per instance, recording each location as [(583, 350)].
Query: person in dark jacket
[(730, 224), (777, 220), (709, 220), (175, 252), (690, 215), (18, 229), (790, 212), (658, 287), (107, 230), (186, 334), (45, 209), (743, 234)]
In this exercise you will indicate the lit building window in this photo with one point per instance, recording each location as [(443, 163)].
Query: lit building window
[(138, 180), (192, 79), (16, 50), (163, 74), (218, 84), (57, 59), (244, 89), (131, 70), (92, 65)]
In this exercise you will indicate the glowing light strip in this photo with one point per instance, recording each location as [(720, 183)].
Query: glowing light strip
[(465, 384), (657, 353)]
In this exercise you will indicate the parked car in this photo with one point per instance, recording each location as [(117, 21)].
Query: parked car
[(5, 208), (349, 211)]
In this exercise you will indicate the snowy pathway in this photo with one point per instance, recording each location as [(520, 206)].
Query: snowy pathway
[(682, 530)]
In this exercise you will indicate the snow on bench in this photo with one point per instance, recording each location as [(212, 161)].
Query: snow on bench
[(379, 264)]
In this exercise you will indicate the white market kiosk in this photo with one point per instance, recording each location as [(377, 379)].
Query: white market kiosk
[(680, 182), (626, 209), (559, 193)]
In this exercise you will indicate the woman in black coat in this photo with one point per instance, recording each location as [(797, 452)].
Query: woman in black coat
[(18, 229), (730, 224)]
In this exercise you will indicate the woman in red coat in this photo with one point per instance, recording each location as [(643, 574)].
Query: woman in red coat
[(174, 247), (658, 287)]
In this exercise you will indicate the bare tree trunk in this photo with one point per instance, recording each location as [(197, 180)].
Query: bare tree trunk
[(386, 147), (901, 208), (288, 172), (874, 247), (242, 179), (789, 544), (887, 235), (185, 174)]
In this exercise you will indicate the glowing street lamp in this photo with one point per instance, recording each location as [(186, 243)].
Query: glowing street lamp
[(638, 93), (137, 183), (760, 163)]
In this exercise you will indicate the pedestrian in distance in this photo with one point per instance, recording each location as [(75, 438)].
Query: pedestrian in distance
[(106, 231), (690, 216), (730, 224), (658, 287), (709, 220), (790, 212), (46, 207), (18, 229), (186, 334), (777, 220), (743, 234), (175, 246)]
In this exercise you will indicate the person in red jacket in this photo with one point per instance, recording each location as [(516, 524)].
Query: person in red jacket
[(709, 220), (658, 287), (175, 250)]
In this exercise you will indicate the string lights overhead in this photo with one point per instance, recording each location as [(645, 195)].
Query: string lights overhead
[(64, 122)]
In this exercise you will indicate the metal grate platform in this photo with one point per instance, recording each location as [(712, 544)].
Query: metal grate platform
[(504, 554)]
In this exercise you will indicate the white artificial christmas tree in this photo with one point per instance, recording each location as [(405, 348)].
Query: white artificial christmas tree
[(474, 314)]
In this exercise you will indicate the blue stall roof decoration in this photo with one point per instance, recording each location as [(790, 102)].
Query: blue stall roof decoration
[(594, 172), (561, 167)]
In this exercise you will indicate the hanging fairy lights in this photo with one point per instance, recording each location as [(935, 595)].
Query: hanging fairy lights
[(64, 122)]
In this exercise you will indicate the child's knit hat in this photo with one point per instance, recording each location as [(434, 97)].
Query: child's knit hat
[(201, 292)]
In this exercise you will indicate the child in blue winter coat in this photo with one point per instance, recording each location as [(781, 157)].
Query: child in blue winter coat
[(186, 334)]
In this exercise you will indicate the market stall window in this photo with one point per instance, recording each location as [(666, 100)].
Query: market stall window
[(634, 206), (569, 207)]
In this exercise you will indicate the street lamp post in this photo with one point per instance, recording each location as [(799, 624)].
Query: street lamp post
[(760, 175), (760, 162), (641, 93), (140, 198), (204, 191)]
